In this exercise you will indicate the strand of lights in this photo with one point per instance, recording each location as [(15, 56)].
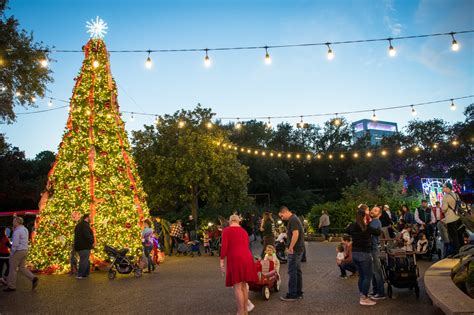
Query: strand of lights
[(268, 59), (391, 51), (207, 60), (337, 155), (330, 52), (148, 62), (335, 121)]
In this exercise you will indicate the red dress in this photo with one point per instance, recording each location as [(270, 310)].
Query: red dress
[(240, 264)]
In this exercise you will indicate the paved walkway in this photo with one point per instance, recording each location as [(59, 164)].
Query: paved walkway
[(185, 285)]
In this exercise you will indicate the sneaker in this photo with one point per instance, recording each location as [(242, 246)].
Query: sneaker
[(34, 283), (366, 301), (300, 297), (250, 306), (377, 297), (9, 290), (80, 278), (287, 298), (343, 277)]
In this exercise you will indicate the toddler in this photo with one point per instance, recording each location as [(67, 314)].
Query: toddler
[(340, 253), (407, 238), (206, 243), (422, 244), (270, 254)]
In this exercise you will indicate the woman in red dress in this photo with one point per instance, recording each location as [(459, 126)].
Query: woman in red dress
[(240, 265)]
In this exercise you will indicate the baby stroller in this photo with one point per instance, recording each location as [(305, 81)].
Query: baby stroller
[(194, 248), (122, 263), (183, 249), (280, 248), (268, 278), (399, 270)]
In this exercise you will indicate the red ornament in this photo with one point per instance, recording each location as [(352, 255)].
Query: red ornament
[(76, 215), (78, 189), (83, 149), (103, 153), (50, 254), (128, 225), (113, 192), (132, 187), (66, 186), (101, 131), (121, 169)]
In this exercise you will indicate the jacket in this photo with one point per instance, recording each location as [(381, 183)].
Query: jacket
[(83, 236)]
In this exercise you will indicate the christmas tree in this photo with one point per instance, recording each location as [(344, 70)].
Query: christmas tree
[(94, 173)]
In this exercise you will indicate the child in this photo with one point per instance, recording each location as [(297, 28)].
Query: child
[(340, 253), (207, 245), (407, 238), (282, 236), (422, 244), (270, 254)]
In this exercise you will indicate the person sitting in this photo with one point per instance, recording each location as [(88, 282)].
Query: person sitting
[(407, 238), (270, 254), (282, 236), (346, 264), (422, 244)]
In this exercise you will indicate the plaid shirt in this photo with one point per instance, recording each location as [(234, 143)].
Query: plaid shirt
[(176, 230)]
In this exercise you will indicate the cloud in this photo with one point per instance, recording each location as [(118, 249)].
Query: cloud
[(390, 20)]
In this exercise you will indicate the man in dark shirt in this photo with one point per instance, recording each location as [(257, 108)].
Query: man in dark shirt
[(83, 243), (295, 233)]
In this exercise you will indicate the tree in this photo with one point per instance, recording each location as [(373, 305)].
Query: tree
[(22, 76), (94, 173), (185, 165)]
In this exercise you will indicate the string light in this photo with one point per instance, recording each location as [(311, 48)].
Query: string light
[(454, 43), (369, 154), (330, 156), (238, 125), (88, 113), (298, 156), (95, 63), (391, 51), (3, 88), (435, 146), (264, 153), (318, 156), (455, 142), (374, 116), (300, 124), (413, 111), (271, 154), (109, 116), (416, 149), (356, 155), (44, 63), (384, 153), (249, 151), (132, 118), (209, 125), (288, 155), (207, 60), (341, 156), (268, 59), (269, 124), (157, 120), (279, 155), (308, 156), (400, 151), (17, 93), (50, 103), (148, 62), (33, 99), (181, 124), (337, 121), (453, 106), (330, 52)]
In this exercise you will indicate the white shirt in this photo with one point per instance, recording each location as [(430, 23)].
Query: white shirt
[(438, 213), (20, 239)]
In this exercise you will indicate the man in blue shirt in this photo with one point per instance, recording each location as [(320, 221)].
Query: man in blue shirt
[(377, 280)]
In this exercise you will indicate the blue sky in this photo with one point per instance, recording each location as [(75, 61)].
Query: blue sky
[(299, 81)]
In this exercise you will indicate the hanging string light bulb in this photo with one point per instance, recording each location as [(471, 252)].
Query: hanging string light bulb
[(181, 124), (454, 43), (17, 93), (157, 120), (453, 106), (132, 118), (337, 121), (269, 124), (44, 62), (374, 116), (391, 51), (207, 60), (50, 103), (238, 125), (268, 59), (33, 99), (209, 125), (300, 124), (413, 111), (95, 63), (148, 62), (330, 52)]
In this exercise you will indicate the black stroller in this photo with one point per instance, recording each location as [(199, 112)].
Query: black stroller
[(400, 270), (122, 263), (280, 248)]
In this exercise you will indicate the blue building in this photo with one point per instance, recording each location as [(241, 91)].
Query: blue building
[(375, 129)]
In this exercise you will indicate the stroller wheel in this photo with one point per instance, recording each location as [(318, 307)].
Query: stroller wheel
[(266, 293), (111, 274), (417, 291), (138, 273), (389, 291)]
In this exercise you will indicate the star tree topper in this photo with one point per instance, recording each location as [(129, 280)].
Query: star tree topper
[(97, 28)]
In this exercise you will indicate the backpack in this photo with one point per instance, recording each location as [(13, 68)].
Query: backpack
[(460, 207)]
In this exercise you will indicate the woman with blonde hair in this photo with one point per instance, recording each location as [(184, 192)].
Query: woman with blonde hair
[(240, 267)]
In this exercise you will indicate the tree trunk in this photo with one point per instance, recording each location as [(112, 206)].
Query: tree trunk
[(194, 205)]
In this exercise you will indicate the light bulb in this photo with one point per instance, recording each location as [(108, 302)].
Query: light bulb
[(356, 155), (330, 52), (369, 154), (17, 93), (209, 125), (157, 120), (453, 106), (50, 103), (132, 118), (95, 63), (109, 116), (44, 62), (269, 124), (238, 125), (384, 153), (308, 156), (374, 116), (148, 62), (454, 44), (341, 156), (413, 111), (337, 121), (391, 51), (268, 59), (33, 99), (301, 123), (181, 124), (207, 60)]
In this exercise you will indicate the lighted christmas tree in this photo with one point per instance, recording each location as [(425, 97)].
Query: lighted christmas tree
[(94, 171)]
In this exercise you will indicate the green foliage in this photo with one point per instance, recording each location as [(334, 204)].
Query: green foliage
[(20, 67), (184, 167)]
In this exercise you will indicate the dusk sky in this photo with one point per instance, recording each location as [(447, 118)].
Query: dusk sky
[(238, 84)]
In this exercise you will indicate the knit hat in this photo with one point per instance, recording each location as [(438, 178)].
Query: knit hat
[(448, 185)]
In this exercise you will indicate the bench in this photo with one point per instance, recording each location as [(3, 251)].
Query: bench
[(442, 290)]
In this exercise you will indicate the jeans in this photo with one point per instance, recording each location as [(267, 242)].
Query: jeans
[(363, 262), (347, 267), (4, 260), (377, 279), (325, 231), (73, 261), (147, 251), (84, 266), (456, 237), (295, 276)]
